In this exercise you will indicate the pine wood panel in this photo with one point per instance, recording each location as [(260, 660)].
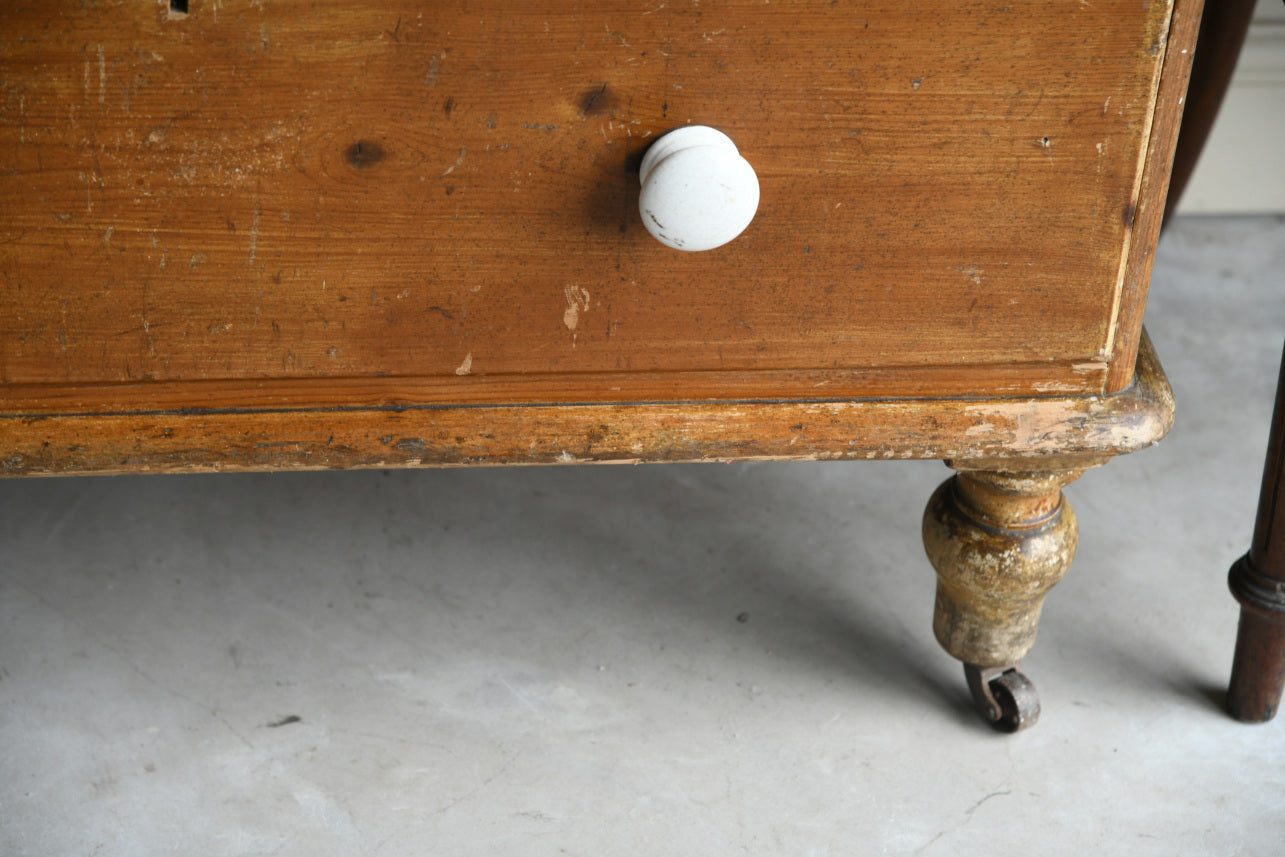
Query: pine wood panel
[(440, 198)]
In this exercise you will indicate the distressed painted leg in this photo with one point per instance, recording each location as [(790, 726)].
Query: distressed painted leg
[(999, 540)]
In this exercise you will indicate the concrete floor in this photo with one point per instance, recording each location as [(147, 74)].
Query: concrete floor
[(711, 659)]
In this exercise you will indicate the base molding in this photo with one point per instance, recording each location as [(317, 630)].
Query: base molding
[(975, 429)]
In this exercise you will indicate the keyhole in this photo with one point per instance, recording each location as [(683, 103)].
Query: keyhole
[(178, 8)]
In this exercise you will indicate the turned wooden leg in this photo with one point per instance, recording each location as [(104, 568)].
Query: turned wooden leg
[(999, 540), (1258, 582)]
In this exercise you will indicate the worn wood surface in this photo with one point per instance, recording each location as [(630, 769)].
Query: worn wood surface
[(987, 431), (446, 191), (275, 226)]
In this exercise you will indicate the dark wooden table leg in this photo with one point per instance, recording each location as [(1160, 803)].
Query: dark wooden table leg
[(1258, 579), (1258, 582)]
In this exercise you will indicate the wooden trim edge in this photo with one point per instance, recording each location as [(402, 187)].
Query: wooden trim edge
[(1147, 213), (959, 428), (1037, 379)]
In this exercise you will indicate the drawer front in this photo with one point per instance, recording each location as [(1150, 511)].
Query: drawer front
[(438, 201)]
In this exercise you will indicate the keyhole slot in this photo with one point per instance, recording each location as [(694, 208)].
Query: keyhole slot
[(178, 8)]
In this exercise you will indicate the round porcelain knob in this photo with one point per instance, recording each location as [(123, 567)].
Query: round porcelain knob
[(698, 193)]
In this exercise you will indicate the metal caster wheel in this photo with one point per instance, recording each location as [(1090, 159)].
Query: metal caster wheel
[(1003, 696)]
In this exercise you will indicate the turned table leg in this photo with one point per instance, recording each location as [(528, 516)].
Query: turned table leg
[(1258, 582), (999, 540)]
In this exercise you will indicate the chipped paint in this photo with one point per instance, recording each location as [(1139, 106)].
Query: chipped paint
[(1055, 387)]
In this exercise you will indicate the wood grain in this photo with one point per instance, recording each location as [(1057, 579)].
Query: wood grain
[(1018, 379), (975, 431), (439, 199)]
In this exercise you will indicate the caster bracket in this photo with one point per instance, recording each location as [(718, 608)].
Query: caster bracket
[(1003, 696)]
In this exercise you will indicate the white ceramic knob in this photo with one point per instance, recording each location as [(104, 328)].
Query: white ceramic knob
[(698, 193)]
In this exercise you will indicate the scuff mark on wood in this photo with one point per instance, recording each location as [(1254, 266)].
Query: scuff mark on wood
[(453, 167), (254, 232), (434, 64), (577, 302)]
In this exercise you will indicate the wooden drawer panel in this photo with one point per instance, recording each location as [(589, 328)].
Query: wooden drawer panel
[(442, 196)]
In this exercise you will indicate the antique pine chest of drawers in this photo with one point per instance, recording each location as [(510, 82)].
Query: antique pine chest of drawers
[(248, 235)]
